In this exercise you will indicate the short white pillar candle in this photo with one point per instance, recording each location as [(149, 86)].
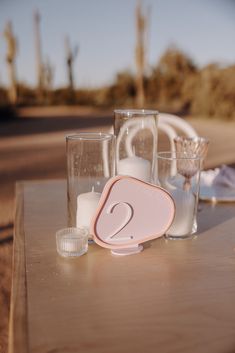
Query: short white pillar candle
[(86, 207), (136, 167)]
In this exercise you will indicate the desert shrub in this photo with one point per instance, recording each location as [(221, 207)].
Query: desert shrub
[(3, 97), (174, 84), (26, 94), (122, 92), (167, 80), (214, 92)]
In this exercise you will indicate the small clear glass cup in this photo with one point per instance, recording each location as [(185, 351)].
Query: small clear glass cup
[(72, 242), (90, 164), (136, 145), (179, 174)]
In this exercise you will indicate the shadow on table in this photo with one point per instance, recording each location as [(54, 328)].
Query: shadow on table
[(36, 125), (214, 215)]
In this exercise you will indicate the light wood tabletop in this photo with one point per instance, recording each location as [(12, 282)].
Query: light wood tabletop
[(175, 296)]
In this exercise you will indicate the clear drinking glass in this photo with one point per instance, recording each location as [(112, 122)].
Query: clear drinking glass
[(197, 146), (136, 145), (90, 163), (179, 174)]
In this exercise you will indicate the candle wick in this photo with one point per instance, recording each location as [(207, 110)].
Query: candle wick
[(93, 189)]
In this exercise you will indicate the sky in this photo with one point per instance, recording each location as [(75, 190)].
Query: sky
[(104, 30)]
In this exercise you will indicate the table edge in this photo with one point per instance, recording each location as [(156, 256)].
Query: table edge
[(18, 340)]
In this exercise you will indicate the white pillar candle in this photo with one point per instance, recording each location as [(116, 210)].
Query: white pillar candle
[(136, 167), (86, 207), (184, 215)]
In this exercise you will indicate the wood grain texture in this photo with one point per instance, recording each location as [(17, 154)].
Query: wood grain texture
[(18, 310), (176, 296)]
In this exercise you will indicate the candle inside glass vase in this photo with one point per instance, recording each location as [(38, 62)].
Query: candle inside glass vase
[(175, 171), (136, 143), (184, 213), (90, 164), (86, 206), (136, 167)]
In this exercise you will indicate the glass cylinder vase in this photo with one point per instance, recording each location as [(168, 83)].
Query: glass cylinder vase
[(136, 144), (90, 163), (179, 174)]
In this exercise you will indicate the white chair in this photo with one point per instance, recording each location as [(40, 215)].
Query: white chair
[(171, 125)]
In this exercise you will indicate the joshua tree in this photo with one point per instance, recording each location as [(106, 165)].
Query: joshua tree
[(38, 50), (71, 55), (48, 74), (10, 59), (140, 53)]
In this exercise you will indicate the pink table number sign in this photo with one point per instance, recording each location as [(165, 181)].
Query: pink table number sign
[(131, 212)]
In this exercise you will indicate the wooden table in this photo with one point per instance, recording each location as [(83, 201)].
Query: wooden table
[(175, 296)]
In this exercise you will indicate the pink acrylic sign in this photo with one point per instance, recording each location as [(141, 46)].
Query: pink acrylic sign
[(131, 212)]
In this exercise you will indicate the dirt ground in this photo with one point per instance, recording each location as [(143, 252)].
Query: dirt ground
[(34, 148)]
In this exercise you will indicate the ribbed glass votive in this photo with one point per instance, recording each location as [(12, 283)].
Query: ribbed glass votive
[(72, 242)]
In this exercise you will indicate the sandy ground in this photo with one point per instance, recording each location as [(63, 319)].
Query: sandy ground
[(34, 148)]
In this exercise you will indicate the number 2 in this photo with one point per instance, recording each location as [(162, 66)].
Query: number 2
[(124, 222)]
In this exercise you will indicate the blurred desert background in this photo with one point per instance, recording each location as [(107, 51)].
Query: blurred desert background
[(185, 66)]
